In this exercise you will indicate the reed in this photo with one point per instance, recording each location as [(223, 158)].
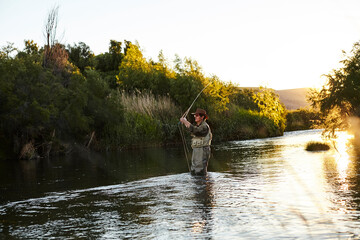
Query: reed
[(148, 120), (146, 103)]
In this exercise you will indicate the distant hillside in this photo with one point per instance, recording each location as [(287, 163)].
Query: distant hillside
[(293, 98)]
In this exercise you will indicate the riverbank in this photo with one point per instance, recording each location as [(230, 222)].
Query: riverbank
[(53, 98)]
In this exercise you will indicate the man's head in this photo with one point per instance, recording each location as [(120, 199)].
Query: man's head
[(200, 115)]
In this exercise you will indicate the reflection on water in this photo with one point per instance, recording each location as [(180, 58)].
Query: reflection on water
[(257, 189)]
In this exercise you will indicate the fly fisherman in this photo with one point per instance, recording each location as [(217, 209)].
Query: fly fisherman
[(200, 142)]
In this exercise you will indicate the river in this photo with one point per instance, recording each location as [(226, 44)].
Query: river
[(256, 189)]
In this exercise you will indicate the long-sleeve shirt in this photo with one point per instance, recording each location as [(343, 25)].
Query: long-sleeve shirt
[(199, 131)]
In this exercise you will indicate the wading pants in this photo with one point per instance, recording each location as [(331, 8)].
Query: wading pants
[(199, 161)]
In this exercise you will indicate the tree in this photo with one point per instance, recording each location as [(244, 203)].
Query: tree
[(55, 55), (108, 63), (162, 75), (50, 33), (243, 98), (271, 107), (7, 50), (134, 71), (188, 82), (81, 56), (218, 94), (339, 98), (31, 47)]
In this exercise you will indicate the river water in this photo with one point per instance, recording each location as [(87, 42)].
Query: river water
[(256, 189)]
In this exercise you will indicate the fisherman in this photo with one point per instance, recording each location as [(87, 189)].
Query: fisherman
[(200, 143)]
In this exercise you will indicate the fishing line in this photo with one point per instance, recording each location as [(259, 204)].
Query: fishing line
[(187, 111), (186, 150)]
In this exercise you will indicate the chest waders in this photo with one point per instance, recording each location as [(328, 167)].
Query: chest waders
[(201, 152)]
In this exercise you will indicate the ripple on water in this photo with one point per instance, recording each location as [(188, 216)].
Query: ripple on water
[(277, 190)]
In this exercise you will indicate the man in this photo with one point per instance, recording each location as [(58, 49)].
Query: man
[(200, 143)]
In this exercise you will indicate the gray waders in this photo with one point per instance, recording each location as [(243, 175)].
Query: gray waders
[(199, 161), (201, 148)]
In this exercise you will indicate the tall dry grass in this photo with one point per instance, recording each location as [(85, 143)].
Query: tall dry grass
[(148, 104), (148, 120)]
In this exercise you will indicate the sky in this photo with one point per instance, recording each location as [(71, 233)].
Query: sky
[(280, 44)]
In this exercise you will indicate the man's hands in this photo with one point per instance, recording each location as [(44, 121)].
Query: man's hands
[(185, 122)]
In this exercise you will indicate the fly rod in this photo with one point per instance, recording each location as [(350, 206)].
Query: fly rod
[(187, 111), (186, 150)]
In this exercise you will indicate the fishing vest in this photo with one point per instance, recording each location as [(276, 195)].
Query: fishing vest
[(197, 142)]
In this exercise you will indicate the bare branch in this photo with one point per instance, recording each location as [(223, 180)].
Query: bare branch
[(50, 33), (51, 26)]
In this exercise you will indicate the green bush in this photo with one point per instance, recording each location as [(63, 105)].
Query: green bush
[(119, 99), (301, 119), (149, 119), (239, 123), (140, 129), (317, 146)]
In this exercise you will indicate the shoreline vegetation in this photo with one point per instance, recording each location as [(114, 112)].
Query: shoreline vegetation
[(314, 146), (57, 96)]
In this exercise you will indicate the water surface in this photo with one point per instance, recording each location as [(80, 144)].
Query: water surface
[(257, 189)]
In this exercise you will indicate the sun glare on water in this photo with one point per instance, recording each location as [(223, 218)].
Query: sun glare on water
[(343, 160), (340, 163), (342, 148), (316, 176)]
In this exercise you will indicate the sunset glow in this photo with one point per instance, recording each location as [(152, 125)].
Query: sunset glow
[(279, 44)]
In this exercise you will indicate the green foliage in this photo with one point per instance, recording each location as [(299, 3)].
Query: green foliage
[(238, 123), (162, 76), (31, 47), (271, 107), (81, 56), (103, 105), (184, 90), (317, 146), (340, 96), (36, 103), (160, 110), (140, 129), (103, 62), (7, 50), (118, 99), (244, 98), (134, 71), (108, 63), (302, 119), (26, 96)]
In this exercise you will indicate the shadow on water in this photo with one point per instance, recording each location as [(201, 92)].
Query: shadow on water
[(27, 179)]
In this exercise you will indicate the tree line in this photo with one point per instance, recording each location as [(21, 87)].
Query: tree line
[(339, 99), (56, 97)]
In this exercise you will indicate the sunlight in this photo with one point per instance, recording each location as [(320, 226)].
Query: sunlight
[(342, 162), (198, 227)]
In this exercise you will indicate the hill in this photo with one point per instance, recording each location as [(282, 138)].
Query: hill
[(293, 98)]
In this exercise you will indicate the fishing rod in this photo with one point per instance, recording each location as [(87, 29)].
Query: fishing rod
[(187, 111), (186, 150)]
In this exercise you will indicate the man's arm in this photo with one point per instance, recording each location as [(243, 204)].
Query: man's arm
[(185, 122)]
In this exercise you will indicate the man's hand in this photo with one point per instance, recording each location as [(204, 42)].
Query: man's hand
[(185, 122)]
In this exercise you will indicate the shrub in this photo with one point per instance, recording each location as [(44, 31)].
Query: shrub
[(317, 146), (148, 119), (238, 123), (301, 119)]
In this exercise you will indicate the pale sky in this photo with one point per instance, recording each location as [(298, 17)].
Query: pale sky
[(280, 44)]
